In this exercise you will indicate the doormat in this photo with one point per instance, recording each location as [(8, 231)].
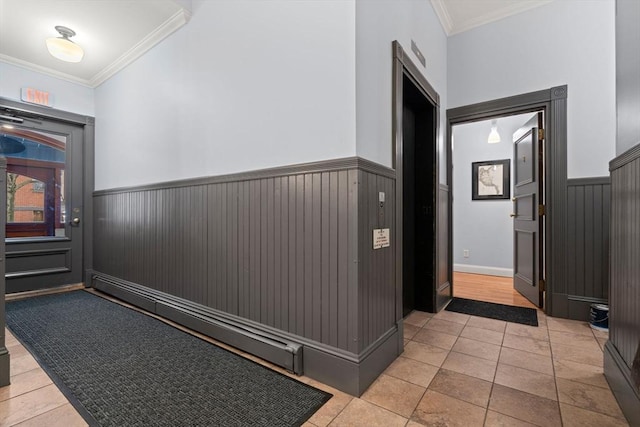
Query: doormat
[(508, 313), (120, 367)]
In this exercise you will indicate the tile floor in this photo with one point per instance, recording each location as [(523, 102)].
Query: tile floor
[(456, 370)]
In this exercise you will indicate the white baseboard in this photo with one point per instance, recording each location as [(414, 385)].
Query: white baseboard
[(480, 269)]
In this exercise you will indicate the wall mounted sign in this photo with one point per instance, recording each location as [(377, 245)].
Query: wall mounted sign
[(381, 238), (35, 96), (419, 55)]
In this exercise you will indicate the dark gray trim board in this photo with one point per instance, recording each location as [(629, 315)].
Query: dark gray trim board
[(286, 254), (622, 385), (4, 353), (444, 253), (35, 112), (302, 168), (627, 157), (553, 102), (88, 168), (405, 71)]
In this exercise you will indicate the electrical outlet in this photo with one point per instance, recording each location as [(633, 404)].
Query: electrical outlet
[(465, 253)]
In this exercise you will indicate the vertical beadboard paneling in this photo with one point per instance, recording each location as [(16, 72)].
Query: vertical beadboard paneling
[(344, 261), (292, 251), (244, 250), (588, 205), (325, 257), (299, 283), (624, 298), (316, 256), (376, 266), (276, 263), (308, 243), (354, 308), (293, 254)]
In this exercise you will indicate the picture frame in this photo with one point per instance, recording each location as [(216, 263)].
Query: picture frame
[(491, 180)]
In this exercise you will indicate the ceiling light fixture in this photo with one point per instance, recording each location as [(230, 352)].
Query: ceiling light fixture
[(63, 48), (494, 136)]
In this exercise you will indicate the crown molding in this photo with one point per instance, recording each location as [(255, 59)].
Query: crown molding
[(172, 24), (443, 15), (177, 20), (451, 27), (44, 70)]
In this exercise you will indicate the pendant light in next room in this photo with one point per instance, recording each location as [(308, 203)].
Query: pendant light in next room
[(494, 136)]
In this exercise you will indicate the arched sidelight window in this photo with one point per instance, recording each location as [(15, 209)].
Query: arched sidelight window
[(35, 183)]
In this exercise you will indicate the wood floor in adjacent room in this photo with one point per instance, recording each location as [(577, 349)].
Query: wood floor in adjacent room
[(481, 287)]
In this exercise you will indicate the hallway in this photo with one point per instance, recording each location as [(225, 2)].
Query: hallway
[(455, 370)]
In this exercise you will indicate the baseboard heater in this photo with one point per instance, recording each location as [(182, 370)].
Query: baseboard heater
[(212, 323)]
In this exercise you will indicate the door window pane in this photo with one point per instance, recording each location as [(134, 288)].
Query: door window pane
[(25, 199), (35, 182)]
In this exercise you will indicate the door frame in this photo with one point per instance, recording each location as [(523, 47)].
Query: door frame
[(553, 102), (88, 161), (404, 66)]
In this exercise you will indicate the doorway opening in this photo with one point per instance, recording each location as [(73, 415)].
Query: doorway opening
[(415, 131), (48, 156), (486, 178), (553, 103), (418, 198)]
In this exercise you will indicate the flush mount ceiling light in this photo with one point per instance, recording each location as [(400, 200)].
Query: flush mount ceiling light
[(63, 48), (494, 136)]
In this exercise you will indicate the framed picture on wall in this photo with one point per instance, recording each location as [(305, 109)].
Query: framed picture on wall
[(491, 180)]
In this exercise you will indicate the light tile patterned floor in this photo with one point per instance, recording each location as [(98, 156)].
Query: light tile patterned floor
[(456, 370)]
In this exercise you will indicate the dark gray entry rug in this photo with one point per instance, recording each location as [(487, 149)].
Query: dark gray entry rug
[(119, 367), (524, 315)]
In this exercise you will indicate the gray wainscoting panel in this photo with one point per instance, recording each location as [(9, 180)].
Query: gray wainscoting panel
[(625, 259), (376, 266), (622, 355), (287, 248), (588, 205)]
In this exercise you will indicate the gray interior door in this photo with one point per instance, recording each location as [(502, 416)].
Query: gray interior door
[(528, 210), (44, 184)]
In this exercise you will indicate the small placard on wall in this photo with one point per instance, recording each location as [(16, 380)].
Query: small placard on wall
[(381, 238)]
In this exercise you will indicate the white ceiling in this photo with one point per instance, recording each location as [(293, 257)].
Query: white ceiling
[(113, 33), (457, 16)]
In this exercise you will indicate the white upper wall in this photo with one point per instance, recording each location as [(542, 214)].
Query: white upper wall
[(565, 42), (244, 85), (67, 96), (378, 23)]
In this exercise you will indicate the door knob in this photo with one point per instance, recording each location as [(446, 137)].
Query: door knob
[(513, 215), (76, 221)]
